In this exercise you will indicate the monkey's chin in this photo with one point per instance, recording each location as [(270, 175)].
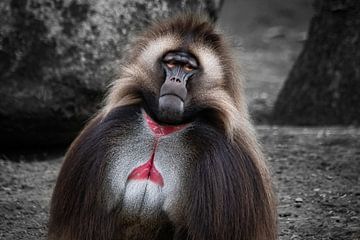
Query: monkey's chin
[(171, 109)]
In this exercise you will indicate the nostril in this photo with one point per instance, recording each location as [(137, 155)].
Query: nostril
[(174, 79)]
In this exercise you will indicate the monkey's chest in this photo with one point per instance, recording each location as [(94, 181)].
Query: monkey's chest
[(149, 170)]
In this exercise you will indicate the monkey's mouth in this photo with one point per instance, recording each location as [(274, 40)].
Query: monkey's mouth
[(171, 108)]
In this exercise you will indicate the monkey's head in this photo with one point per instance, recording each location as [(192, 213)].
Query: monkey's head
[(181, 69)]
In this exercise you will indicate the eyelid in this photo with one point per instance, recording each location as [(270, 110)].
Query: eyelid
[(188, 68), (171, 64)]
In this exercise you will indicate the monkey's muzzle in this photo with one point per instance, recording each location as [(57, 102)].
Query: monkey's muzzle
[(178, 67), (171, 108)]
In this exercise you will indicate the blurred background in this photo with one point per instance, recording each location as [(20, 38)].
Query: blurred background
[(301, 63), (269, 36)]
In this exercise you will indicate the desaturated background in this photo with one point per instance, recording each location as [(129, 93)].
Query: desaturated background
[(269, 35), (315, 169)]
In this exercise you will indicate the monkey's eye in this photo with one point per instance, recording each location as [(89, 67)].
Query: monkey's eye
[(170, 64), (188, 68)]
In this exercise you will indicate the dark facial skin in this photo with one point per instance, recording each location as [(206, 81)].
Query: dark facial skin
[(179, 68)]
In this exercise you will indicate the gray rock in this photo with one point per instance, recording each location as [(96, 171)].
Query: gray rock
[(58, 56)]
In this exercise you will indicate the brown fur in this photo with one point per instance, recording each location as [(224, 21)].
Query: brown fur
[(248, 215)]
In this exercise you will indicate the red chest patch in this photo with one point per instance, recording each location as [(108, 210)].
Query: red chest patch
[(161, 130), (148, 171)]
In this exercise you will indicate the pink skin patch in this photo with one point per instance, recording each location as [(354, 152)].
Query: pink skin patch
[(162, 130), (148, 171)]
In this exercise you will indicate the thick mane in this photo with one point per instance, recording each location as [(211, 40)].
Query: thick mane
[(225, 98), (197, 34), (217, 182)]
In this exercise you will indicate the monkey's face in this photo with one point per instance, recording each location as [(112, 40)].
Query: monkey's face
[(179, 83), (179, 67)]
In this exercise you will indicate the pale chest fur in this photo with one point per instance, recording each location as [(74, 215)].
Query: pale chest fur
[(148, 171)]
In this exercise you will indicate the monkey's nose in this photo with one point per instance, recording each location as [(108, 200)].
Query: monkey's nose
[(175, 80)]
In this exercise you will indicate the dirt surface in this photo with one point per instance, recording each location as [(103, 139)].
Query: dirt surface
[(316, 171)]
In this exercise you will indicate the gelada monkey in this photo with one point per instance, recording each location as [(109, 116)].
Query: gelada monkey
[(172, 154)]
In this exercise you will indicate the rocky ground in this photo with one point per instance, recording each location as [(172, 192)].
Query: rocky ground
[(316, 172)]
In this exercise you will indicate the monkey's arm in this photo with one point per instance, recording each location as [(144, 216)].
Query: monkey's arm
[(229, 198), (77, 207)]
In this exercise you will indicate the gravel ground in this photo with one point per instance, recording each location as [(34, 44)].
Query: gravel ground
[(316, 171)]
